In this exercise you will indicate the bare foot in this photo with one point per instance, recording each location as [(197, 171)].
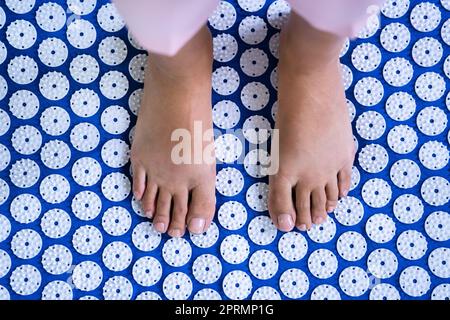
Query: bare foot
[(177, 93), (316, 148)]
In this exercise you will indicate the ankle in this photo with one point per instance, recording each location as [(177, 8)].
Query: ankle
[(194, 60), (307, 49)]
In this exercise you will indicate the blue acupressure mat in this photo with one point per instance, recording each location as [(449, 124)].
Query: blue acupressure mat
[(71, 80)]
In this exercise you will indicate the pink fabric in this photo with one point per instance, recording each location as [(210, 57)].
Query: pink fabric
[(164, 26), (342, 17)]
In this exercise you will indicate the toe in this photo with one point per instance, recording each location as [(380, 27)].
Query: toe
[(332, 192), (149, 199), (344, 179), (138, 182), (318, 201), (201, 209), (177, 225), (281, 206), (303, 206), (162, 214)]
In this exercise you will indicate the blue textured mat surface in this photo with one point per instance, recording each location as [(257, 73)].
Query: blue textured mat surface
[(70, 85)]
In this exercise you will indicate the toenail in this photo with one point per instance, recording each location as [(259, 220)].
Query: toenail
[(159, 227), (330, 209), (176, 233), (302, 227), (196, 225), (149, 214), (285, 221), (319, 220)]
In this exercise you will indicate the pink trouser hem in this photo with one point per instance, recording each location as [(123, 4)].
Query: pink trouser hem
[(164, 26)]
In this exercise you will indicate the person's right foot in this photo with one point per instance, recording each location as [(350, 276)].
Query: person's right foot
[(177, 93)]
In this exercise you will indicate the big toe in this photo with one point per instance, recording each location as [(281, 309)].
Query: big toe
[(281, 206), (201, 209)]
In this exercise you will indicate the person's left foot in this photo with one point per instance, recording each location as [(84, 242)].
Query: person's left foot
[(316, 147)]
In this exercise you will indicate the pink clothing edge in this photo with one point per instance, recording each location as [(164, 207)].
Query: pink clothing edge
[(342, 17), (165, 26)]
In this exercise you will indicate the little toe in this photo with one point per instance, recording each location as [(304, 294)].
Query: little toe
[(177, 225), (344, 180), (332, 192), (138, 182), (303, 206), (201, 209), (149, 199), (318, 201), (281, 206), (162, 215)]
